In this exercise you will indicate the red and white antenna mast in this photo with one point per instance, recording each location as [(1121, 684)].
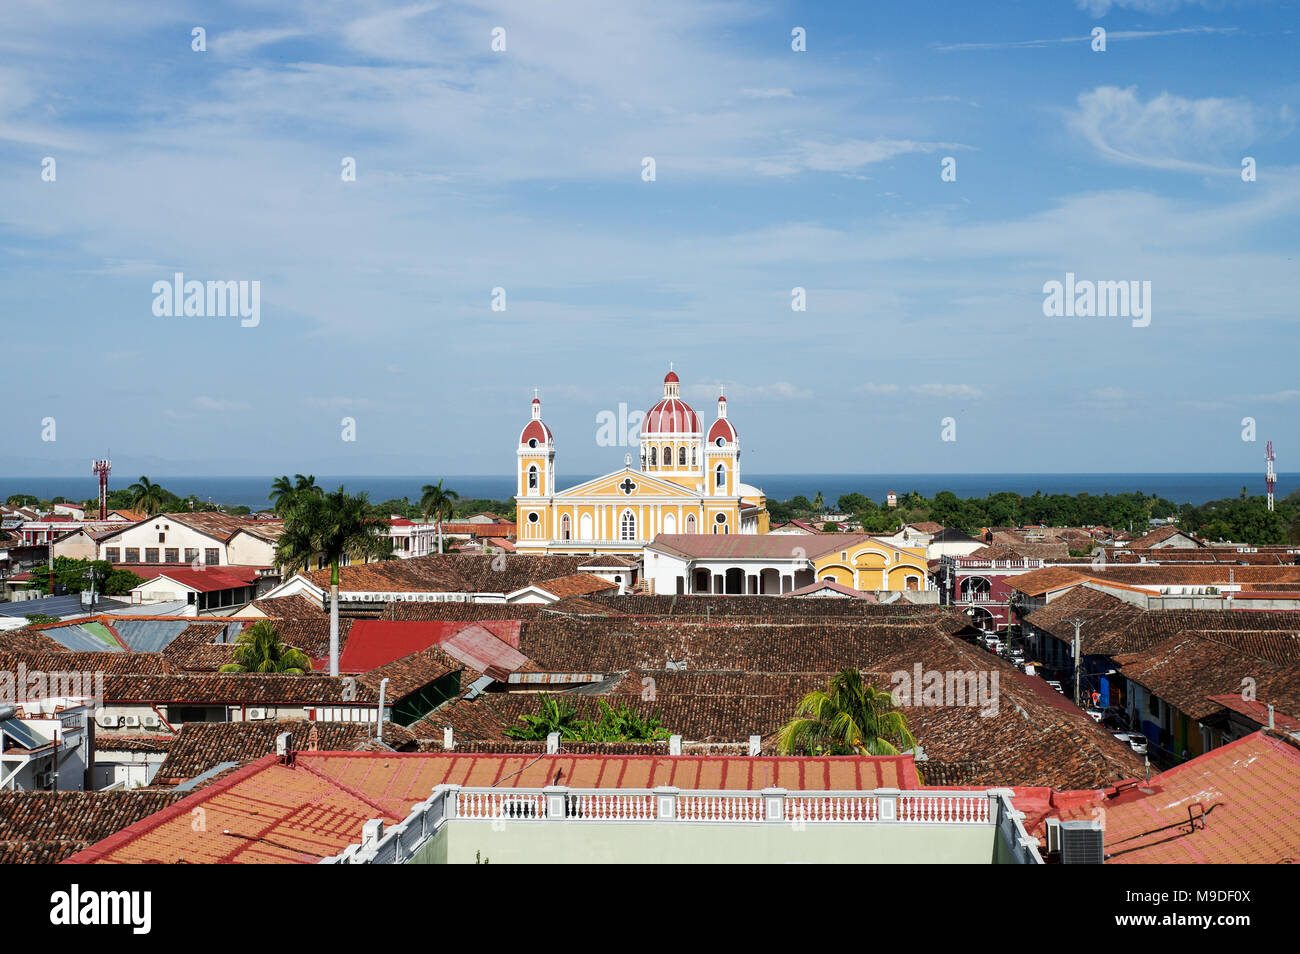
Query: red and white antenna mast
[(102, 468), (1270, 478)]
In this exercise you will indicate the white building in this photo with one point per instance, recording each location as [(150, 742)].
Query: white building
[(43, 745)]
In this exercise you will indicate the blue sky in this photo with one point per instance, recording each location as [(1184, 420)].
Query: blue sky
[(774, 169)]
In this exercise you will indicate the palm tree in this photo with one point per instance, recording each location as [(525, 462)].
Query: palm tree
[(332, 526), (436, 504), (818, 502), (284, 494), (146, 496), (846, 718), (553, 715), (260, 649)]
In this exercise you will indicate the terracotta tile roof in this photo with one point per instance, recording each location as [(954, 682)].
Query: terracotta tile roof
[(1046, 580), (1257, 711), (744, 680), (581, 606), (109, 663), (296, 605), (47, 827), (451, 573), (268, 812), (576, 584), (256, 689), (222, 526), (1159, 535), (412, 673), (201, 745), (264, 813), (612, 561), (312, 634), (1187, 670), (1196, 574), (451, 612), (1250, 791), (28, 639), (823, 585)]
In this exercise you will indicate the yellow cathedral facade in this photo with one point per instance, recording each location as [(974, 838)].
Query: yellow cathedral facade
[(688, 482)]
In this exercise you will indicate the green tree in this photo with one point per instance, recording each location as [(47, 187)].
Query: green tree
[(285, 493), (553, 715), (846, 718), (818, 502), (260, 649), (332, 527), (147, 496), (438, 505)]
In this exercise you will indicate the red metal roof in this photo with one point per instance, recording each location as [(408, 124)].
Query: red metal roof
[(207, 580), (376, 642)]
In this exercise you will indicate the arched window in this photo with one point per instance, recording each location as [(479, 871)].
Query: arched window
[(584, 526), (690, 523), (670, 523), (681, 456), (627, 526), (654, 456), (692, 455), (532, 476), (668, 456), (720, 476), (566, 528)]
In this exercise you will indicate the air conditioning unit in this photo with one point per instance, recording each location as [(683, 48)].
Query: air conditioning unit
[(44, 779), (150, 720), (108, 720), (131, 722), (1082, 843), (256, 715), (1053, 836)]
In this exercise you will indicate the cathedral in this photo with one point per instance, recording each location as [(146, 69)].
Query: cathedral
[(688, 482)]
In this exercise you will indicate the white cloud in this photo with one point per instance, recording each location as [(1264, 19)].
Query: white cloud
[(1111, 35), (936, 390), (204, 403), (1167, 131)]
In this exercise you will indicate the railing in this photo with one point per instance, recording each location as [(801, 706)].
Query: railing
[(980, 598), (668, 805)]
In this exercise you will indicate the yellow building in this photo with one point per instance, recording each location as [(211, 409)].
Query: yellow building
[(688, 482), (781, 563)]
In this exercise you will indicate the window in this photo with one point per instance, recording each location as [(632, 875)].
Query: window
[(532, 477), (162, 538), (112, 554), (720, 477), (692, 456), (719, 442), (150, 554), (212, 556), (627, 526), (132, 554), (532, 517), (171, 555), (681, 456), (690, 523), (668, 457), (566, 528), (191, 555), (654, 457), (532, 442)]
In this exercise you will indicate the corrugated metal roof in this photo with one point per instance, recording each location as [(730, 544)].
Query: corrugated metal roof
[(81, 639), (49, 605), (149, 635)]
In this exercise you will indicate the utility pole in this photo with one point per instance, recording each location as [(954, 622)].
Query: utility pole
[(1077, 623)]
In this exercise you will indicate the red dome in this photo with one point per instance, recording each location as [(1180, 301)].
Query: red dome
[(670, 416), (722, 428), (670, 378), (535, 430)]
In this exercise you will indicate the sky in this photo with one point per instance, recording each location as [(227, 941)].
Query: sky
[(486, 175)]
